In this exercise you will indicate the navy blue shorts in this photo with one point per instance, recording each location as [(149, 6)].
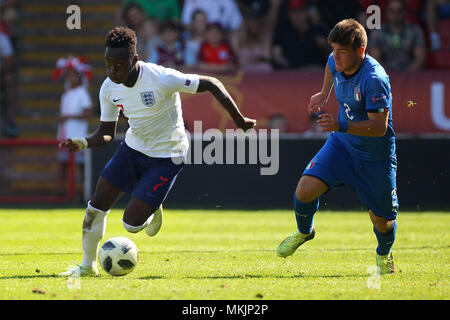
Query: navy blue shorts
[(374, 182), (146, 178)]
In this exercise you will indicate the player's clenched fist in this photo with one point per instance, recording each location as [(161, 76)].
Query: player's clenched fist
[(316, 102), (328, 122), (74, 144), (247, 124)]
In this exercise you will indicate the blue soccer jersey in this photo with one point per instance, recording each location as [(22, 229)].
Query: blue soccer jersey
[(367, 165), (368, 90)]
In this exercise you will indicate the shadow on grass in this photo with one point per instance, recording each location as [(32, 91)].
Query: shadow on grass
[(38, 253), (253, 276), (213, 277), (34, 276), (222, 251), (153, 278), (310, 250), (57, 276)]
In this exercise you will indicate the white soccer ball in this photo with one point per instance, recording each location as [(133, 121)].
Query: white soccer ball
[(118, 256)]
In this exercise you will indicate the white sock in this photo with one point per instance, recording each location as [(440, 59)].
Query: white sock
[(135, 229), (94, 226)]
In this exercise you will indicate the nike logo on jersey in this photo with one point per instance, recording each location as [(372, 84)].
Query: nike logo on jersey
[(115, 100)]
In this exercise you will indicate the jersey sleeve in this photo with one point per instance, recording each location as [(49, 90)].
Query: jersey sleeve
[(331, 64), (378, 94), (108, 111), (176, 81)]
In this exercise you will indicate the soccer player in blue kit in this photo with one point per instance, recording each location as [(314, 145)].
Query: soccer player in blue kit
[(360, 151)]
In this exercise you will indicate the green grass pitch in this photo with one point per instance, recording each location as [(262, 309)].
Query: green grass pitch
[(227, 255)]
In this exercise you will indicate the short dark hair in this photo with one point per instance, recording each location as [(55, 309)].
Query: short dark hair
[(348, 32), (122, 37), (196, 12), (127, 8), (170, 25), (215, 25)]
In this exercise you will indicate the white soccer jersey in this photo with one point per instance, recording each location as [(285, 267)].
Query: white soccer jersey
[(153, 109)]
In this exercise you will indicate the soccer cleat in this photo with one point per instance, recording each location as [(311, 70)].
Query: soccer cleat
[(155, 225), (385, 264), (80, 271), (288, 246)]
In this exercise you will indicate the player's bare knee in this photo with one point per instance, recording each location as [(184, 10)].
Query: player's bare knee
[(304, 194), (383, 225), (309, 188)]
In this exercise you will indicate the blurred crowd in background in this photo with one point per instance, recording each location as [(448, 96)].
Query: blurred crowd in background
[(220, 36), (8, 84), (267, 35)]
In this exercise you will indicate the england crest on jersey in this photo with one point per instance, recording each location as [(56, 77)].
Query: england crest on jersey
[(148, 98), (357, 93)]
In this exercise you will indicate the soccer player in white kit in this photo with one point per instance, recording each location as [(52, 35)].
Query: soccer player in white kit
[(143, 166)]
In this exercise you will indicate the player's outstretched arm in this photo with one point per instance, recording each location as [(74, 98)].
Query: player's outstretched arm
[(218, 90), (103, 135)]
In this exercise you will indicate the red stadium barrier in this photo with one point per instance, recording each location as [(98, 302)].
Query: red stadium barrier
[(419, 103), (28, 142), (36, 143)]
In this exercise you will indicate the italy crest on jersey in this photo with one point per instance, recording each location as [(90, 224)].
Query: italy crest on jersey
[(357, 93), (148, 98)]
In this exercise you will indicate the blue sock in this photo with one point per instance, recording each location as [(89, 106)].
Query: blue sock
[(385, 240), (304, 214)]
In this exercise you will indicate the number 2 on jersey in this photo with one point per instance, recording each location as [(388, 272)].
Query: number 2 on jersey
[(347, 112)]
